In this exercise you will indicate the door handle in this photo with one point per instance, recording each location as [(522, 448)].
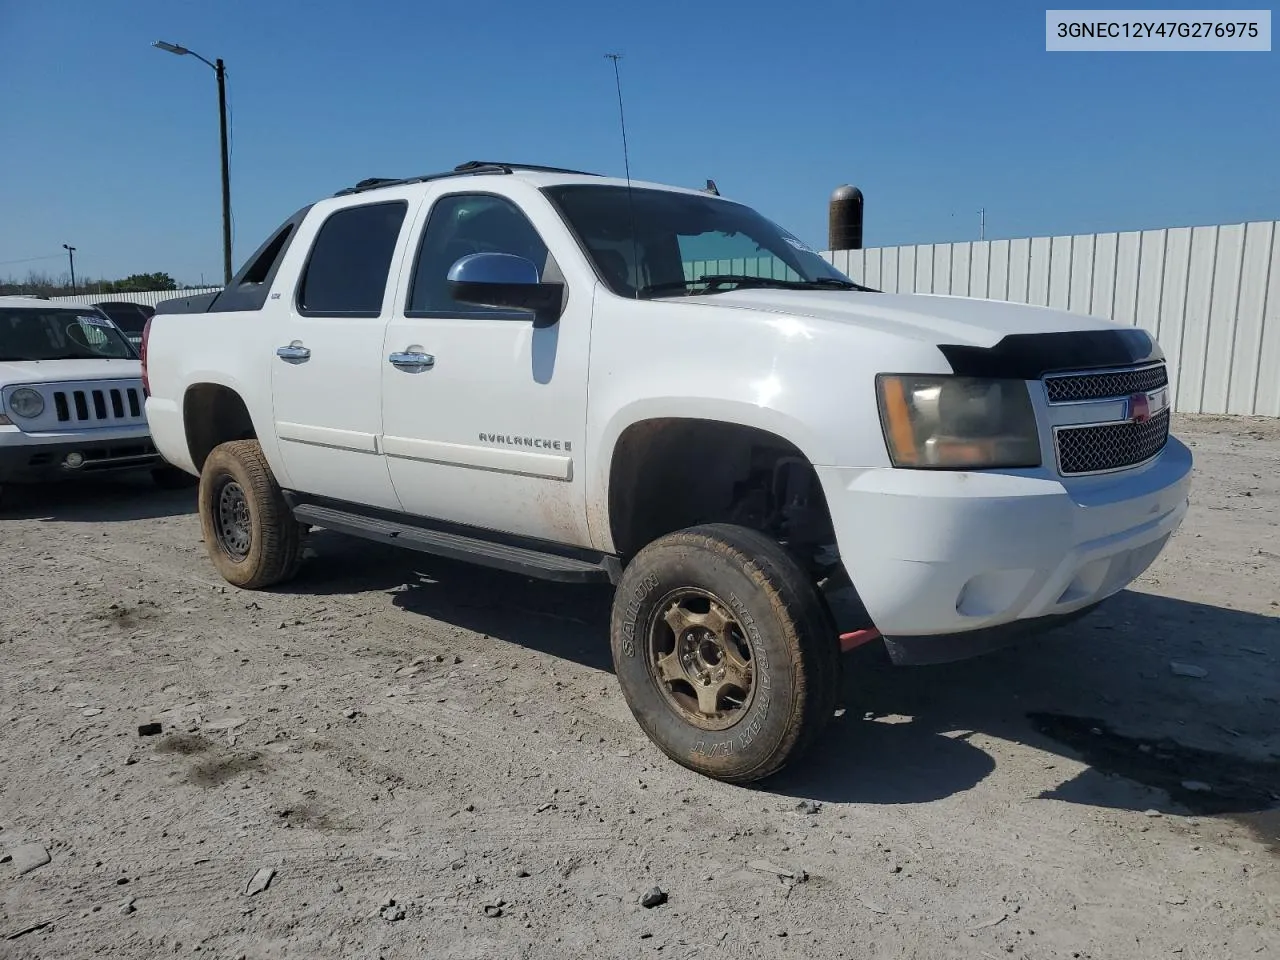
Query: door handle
[(294, 353), (412, 361)]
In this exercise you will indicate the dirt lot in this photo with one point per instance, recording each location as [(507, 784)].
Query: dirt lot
[(393, 727)]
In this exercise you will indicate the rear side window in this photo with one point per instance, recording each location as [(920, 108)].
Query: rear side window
[(346, 272)]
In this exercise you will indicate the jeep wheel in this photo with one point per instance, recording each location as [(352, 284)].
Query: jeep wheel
[(171, 478), (725, 651), (249, 530)]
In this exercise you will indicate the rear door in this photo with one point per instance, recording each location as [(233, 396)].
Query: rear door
[(327, 371)]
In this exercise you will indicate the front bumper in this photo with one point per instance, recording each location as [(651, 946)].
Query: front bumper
[(37, 458), (934, 553)]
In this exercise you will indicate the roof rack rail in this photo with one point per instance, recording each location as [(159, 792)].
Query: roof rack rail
[(511, 167), (470, 168)]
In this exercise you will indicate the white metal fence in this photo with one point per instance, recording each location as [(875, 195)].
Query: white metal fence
[(1210, 295), (151, 297)]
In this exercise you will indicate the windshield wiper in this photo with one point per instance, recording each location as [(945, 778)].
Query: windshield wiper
[(836, 284), (718, 281), (653, 288)]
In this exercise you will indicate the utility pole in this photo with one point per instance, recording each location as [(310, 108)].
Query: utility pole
[(982, 223), (71, 258), (220, 72)]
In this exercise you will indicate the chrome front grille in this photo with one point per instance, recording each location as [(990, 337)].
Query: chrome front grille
[(98, 406), (1099, 447), (1081, 387), (1107, 420)]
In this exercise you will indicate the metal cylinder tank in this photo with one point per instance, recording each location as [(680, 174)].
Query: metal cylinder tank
[(844, 219)]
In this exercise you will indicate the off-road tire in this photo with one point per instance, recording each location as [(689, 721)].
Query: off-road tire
[(171, 478), (274, 538), (792, 641)]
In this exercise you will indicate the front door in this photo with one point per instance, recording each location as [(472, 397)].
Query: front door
[(490, 433), (327, 372)]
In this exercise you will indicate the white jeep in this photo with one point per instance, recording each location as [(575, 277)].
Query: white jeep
[(71, 399), (581, 378)]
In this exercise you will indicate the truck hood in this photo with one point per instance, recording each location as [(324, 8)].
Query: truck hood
[(58, 371), (932, 318)]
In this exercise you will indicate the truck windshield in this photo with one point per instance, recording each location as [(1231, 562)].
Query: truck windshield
[(686, 244), (58, 334)]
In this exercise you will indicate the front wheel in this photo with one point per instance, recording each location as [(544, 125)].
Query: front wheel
[(249, 530), (725, 651)]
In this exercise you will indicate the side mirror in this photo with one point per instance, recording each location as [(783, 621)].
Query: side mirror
[(502, 280)]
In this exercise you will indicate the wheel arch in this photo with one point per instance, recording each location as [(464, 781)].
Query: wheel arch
[(648, 450), (214, 413)]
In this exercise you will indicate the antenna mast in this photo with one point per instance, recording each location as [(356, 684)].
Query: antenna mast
[(622, 117), (626, 160)]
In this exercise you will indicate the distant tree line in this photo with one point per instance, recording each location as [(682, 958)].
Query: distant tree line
[(39, 284)]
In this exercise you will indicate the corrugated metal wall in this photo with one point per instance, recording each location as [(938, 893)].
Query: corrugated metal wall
[(1210, 295), (152, 297)]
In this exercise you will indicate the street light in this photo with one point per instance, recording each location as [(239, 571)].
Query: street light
[(221, 73), (71, 256)]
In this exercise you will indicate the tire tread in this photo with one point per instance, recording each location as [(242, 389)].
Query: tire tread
[(808, 635), (277, 553)]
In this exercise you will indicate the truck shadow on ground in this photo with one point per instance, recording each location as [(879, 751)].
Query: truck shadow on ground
[(96, 500), (1103, 691)]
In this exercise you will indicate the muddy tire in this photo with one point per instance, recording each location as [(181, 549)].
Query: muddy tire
[(249, 530), (725, 651), (171, 478)]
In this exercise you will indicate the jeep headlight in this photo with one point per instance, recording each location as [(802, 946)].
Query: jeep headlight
[(26, 403), (941, 422)]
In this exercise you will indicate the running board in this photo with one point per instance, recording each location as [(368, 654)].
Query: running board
[(514, 559)]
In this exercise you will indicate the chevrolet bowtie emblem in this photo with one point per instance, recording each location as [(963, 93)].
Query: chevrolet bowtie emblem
[(1139, 408)]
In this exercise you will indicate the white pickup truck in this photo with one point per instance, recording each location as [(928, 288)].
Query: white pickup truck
[(582, 378)]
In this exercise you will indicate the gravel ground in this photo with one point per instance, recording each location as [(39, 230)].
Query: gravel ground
[(435, 761)]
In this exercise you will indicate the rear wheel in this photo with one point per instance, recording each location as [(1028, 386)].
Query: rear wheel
[(725, 651), (249, 530)]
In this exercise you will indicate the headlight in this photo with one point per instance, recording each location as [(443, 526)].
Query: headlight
[(26, 403), (957, 423)]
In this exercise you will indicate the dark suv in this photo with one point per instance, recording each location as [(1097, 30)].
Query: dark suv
[(129, 317)]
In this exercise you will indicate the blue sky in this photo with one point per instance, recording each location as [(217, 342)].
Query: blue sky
[(933, 109)]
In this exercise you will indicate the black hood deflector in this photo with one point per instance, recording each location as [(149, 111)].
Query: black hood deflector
[(1029, 356)]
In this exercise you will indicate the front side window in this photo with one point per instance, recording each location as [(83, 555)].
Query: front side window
[(661, 243), (346, 272), (35, 333), (460, 225)]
